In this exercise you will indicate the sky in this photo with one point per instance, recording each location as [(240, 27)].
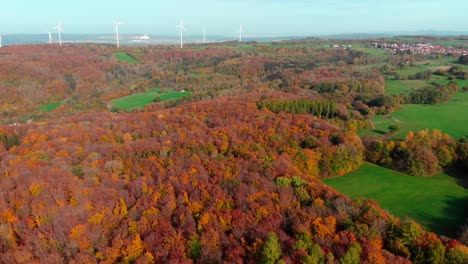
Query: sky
[(223, 17)]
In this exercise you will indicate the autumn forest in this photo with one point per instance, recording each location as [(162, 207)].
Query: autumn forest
[(216, 153)]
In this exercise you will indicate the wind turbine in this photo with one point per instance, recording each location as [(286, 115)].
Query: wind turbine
[(50, 38), (117, 31), (1, 41), (204, 35), (182, 28), (241, 30), (59, 30)]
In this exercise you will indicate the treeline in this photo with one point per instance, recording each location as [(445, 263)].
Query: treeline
[(433, 94), (423, 153), (326, 109), (366, 86)]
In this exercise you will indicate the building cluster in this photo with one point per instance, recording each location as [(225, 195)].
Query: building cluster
[(420, 48)]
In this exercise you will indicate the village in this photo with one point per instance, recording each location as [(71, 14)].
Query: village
[(420, 48)]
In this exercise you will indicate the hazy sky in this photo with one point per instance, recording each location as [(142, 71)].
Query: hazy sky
[(223, 17)]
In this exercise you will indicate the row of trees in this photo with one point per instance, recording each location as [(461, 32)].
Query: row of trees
[(325, 109)]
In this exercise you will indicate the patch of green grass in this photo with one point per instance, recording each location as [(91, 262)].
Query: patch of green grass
[(438, 203), (196, 74), (170, 96), (123, 56), (140, 100), (450, 117), (374, 52), (50, 106), (398, 87), (411, 70), (406, 39), (431, 65)]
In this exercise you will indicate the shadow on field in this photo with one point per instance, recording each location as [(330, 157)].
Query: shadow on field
[(459, 174), (379, 131), (456, 209), (456, 213)]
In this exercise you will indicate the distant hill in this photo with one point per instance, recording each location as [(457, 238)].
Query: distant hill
[(144, 39)]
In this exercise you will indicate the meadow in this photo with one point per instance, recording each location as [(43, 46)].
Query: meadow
[(438, 203), (397, 87), (374, 52), (50, 106), (142, 99), (448, 117), (123, 56)]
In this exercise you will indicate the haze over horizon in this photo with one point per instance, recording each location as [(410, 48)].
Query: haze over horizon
[(260, 17)]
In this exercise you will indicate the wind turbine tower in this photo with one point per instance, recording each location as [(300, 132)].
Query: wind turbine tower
[(182, 28), (241, 30), (117, 31), (204, 35), (59, 30), (50, 38), (1, 41)]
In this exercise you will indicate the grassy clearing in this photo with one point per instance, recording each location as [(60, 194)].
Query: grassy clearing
[(140, 100), (123, 56), (374, 52), (196, 74), (450, 117), (398, 87), (50, 106), (428, 65), (438, 203)]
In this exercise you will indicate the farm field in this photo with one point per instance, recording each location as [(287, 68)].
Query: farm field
[(143, 99), (447, 116), (428, 65), (438, 203), (380, 53), (50, 106), (123, 56), (397, 87)]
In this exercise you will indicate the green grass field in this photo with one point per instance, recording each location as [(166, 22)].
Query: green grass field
[(123, 56), (428, 65), (438, 203), (450, 117), (50, 106), (374, 52), (398, 87), (140, 100)]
